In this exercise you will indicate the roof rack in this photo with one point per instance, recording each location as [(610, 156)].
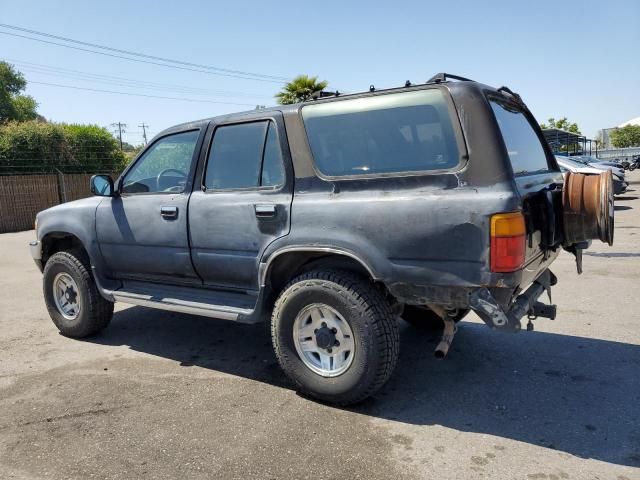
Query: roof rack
[(323, 94), (442, 77), (437, 78)]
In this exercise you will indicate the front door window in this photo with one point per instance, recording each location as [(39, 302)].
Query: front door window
[(164, 167)]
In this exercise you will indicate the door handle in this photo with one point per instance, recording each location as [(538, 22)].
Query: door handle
[(265, 211), (169, 212)]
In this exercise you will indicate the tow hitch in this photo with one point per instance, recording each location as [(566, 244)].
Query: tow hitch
[(488, 309)]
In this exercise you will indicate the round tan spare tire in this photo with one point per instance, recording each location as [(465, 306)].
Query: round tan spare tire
[(587, 202)]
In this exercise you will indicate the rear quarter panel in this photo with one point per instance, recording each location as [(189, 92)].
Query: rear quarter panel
[(428, 229), (422, 230)]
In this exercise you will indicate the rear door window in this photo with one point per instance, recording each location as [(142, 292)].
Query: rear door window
[(525, 151), (392, 133), (245, 155)]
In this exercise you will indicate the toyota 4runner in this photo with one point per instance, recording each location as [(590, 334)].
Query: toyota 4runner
[(331, 218)]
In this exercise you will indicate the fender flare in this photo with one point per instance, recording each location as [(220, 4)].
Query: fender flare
[(265, 266)]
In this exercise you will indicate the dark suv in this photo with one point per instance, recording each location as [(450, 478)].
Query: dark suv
[(332, 218)]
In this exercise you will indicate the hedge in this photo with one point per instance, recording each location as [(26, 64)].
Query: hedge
[(39, 147)]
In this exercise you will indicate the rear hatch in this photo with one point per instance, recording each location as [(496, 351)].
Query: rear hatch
[(538, 180)]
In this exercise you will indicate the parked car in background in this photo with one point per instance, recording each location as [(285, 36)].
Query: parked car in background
[(570, 165), (573, 165), (615, 167)]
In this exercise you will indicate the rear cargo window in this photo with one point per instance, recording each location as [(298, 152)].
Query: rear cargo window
[(400, 132), (523, 145)]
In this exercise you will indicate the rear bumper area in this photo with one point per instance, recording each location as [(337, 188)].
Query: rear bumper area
[(493, 314)]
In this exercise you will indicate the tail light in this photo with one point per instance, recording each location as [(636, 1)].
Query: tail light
[(508, 234)]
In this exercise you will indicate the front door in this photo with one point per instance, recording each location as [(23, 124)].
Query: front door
[(244, 201), (142, 232)]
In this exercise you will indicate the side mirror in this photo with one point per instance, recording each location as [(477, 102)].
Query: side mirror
[(101, 185)]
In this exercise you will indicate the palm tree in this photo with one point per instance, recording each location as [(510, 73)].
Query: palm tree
[(300, 89)]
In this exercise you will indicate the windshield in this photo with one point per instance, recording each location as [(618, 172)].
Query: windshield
[(590, 159), (580, 160), (525, 151), (569, 162)]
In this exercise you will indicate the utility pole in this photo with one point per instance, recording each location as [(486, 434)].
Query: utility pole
[(121, 130), (144, 131)]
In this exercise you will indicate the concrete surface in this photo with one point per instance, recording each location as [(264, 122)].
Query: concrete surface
[(166, 396)]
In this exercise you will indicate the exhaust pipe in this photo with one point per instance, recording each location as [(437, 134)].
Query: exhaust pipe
[(447, 335)]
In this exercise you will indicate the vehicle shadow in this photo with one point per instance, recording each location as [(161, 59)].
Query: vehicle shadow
[(573, 394)]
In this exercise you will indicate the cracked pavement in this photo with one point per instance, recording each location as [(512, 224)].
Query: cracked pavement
[(163, 395)]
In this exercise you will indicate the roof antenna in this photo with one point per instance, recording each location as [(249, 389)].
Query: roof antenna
[(372, 88), (407, 83)]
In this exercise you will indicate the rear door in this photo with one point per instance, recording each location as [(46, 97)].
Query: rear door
[(243, 203)]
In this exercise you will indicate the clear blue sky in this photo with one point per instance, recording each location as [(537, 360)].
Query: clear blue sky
[(579, 59)]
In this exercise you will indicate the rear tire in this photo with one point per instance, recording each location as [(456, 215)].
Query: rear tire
[(349, 306), (425, 319), (72, 298)]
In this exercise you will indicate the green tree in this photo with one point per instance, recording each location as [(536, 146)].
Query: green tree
[(627, 136), (561, 124), (14, 105), (300, 89)]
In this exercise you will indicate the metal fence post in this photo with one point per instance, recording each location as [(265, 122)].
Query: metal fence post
[(62, 192)]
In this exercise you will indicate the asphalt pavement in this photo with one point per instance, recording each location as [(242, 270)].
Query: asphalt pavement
[(165, 396)]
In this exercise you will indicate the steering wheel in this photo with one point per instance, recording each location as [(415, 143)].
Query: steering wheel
[(164, 172)]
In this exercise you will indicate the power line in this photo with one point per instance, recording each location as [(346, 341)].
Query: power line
[(139, 94), (122, 81), (139, 60), (211, 69), (138, 54)]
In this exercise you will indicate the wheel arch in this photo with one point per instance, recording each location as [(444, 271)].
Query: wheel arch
[(59, 241), (286, 263), (55, 241)]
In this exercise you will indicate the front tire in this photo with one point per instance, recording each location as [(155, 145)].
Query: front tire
[(72, 298), (335, 336)]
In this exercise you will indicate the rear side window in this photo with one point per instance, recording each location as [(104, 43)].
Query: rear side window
[(393, 133), (523, 145), (272, 168), (245, 155)]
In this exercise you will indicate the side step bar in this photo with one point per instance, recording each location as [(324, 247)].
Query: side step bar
[(182, 306)]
